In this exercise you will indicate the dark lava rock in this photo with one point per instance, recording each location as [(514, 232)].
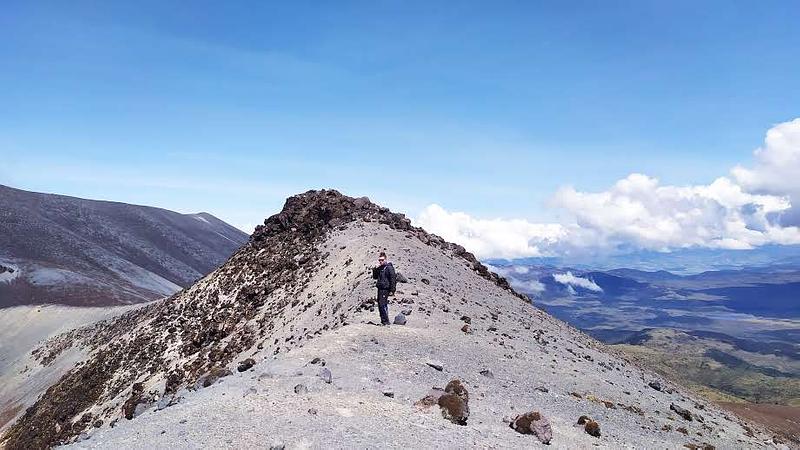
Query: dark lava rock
[(436, 365), (400, 319), (389, 394), (129, 407), (300, 389), (425, 281), (681, 412), (487, 373), (583, 419), (454, 403), (703, 446), (466, 319), (318, 360), (592, 428), (533, 423), (407, 311), (541, 389), (246, 365), (456, 387), (466, 329), (212, 376), (655, 385), (454, 408)]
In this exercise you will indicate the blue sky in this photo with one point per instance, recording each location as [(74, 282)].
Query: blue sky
[(483, 107)]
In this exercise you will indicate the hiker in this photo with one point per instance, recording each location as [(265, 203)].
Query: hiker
[(386, 283)]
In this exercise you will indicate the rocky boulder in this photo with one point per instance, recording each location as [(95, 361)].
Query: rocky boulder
[(533, 423), (212, 376), (681, 412), (246, 365), (454, 404)]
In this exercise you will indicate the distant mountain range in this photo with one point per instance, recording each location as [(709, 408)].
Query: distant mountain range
[(729, 301), (66, 250), (686, 261), (730, 335)]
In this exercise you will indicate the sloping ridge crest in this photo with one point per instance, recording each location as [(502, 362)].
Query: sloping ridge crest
[(154, 351)]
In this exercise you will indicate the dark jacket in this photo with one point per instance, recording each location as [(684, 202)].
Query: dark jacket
[(386, 276)]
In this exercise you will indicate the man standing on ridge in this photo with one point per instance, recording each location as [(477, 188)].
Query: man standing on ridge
[(386, 283)]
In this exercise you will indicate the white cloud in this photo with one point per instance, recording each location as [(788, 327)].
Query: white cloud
[(777, 168), (751, 209), (639, 211), (568, 279), (528, 286), (490, 237)]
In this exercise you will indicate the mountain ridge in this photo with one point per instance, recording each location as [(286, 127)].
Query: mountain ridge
[(302, 284), (74, 251)]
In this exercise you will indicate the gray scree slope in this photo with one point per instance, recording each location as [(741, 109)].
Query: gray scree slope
[(66, 250), (301, 290)]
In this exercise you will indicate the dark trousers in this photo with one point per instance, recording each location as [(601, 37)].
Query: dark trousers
[(383, 305)]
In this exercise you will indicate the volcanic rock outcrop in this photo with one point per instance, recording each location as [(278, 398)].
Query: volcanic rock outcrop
[(292, 300)]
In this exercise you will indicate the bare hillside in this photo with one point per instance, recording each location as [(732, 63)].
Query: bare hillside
[(72, 251), (277, 348)]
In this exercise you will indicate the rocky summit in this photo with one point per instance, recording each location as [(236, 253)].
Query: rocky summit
[(279, 348)]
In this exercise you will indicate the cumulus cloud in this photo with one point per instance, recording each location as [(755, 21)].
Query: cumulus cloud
[(499, 238), (751, 208), (638, 211), (568, 279), (776, 170), (527, 286)]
